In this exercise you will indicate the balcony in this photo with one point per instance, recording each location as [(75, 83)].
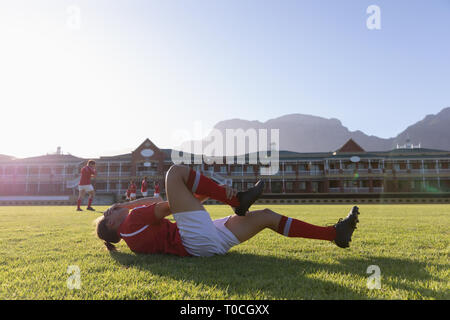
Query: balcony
[(147, 173), (311, 172), (427, 171), (356, 190)]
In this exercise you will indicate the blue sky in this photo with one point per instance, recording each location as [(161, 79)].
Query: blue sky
[(138, 69)]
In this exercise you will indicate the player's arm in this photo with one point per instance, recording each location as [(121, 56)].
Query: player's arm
[(140, 202)]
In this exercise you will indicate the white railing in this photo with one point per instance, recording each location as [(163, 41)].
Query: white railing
[(147, 173), (355, 190), (425, 171), (310, 172)]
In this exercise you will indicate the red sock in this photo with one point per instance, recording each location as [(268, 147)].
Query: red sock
[(203, 185), (89, 202), (79, 203), (290, 227)]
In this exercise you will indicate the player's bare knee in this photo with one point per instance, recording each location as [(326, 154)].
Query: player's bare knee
[(175, 173), (175, 170), (271, 218)]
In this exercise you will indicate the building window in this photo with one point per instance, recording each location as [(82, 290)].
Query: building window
[(315, 186)]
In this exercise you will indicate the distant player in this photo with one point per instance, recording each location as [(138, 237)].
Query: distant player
[(87, 172), (132, 190), (144, 187), (156, 192)]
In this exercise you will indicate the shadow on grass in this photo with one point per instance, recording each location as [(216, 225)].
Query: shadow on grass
[(245, 275)]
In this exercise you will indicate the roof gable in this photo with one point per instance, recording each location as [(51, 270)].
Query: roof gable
[(148, 151), (351, 146)]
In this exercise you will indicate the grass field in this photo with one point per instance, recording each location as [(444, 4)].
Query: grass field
[(409, 244)]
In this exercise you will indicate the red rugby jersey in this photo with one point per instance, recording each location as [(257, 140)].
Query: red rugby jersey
[(144, 233), (132, 188), (157, 188), (86, 173), (144, 186)]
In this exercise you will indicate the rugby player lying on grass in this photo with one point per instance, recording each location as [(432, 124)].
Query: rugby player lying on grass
[(144, 228)]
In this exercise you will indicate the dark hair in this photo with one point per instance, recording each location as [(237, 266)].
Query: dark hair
[(107, 235), (90, 162)]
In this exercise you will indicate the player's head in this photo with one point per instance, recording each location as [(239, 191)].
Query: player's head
[(91, 163), (108, 224)]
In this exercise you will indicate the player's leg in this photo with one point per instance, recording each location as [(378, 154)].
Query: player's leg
[(91, 198), (246, 227), (81, 193), (198, 233), (199, 184), (180, 198)]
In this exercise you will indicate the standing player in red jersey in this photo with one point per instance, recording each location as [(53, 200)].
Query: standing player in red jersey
[(156, 192), (144, 187), (132, 190), (144, 228), (87, 172)]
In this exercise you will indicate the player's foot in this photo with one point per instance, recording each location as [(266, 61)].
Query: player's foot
[(247, 198), (79, 209), (90, 209), (345, 227)]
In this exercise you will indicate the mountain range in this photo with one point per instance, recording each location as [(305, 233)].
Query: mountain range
[(308, 133)]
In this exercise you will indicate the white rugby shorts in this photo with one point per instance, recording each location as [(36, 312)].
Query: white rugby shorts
[(87, 188), (202, 236)]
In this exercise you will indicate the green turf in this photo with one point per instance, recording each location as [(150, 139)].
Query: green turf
[(409, 243)]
